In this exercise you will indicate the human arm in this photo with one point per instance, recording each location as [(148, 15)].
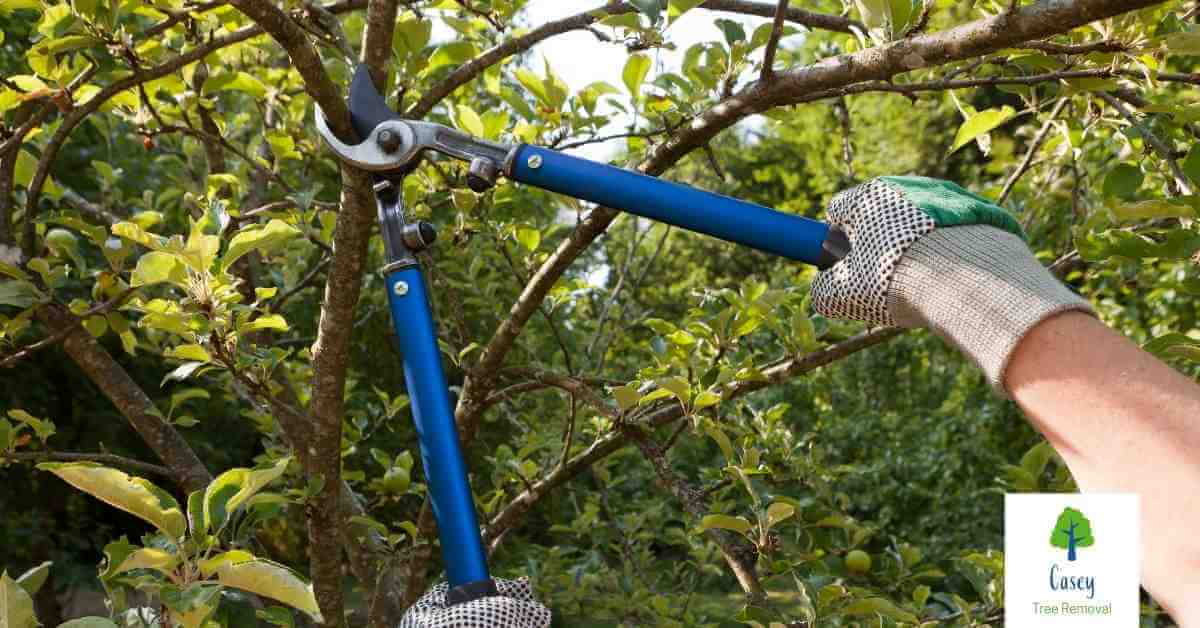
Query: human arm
[(927, 253), (1123, 422)]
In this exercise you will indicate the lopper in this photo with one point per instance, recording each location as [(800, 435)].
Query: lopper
[(391, 148)]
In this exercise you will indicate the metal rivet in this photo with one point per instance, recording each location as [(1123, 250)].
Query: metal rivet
[(400, 288), (535, 161)]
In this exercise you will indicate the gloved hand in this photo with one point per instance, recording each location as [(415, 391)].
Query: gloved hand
[(513, 608), (926, 252)]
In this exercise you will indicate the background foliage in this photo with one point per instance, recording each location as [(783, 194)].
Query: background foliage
[(658, 445)]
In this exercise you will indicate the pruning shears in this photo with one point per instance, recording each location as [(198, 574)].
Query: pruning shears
[(391, 147)]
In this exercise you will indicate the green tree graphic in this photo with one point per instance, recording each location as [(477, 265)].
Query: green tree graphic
[(1072, 530)]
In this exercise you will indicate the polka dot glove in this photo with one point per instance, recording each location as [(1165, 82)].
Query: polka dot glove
[(927, 253), (515, 607)]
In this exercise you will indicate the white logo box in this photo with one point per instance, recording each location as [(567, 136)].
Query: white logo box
[(1100, 588)]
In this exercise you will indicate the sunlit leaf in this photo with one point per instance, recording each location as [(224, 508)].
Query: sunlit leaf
[(134, 495), (980, 123)]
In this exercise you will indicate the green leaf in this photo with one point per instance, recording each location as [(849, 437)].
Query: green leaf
[(655, 395), (89, 622), (980, 123), (1191, 163), (650, 8), (262, 238), (678, 387), (718, 435), (197, 524), (145, 558), (235, 81), (194, 353), (705, 399), (1183, 43), (134, 495), (469, 121), (16, 606), (529, 238), (779, 511), (637, 66), (879, 606), (16, 293), (627, 396), (272, 580), (1156, 208), (42, 428), (33, 579), (1123, 181), (676, 8), (13, 271), (232, 488), (725, 522), (270, 321), (733, 31), (6, 435), (1174, 345), (453, 53), (156, 267)]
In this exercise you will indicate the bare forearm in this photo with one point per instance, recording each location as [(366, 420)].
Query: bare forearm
[(1124, 422)]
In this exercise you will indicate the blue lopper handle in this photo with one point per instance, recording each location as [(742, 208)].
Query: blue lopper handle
[(788, 235)]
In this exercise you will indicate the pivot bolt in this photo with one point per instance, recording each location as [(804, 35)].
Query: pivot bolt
[(388, 141), (400, 288), (535, 161)]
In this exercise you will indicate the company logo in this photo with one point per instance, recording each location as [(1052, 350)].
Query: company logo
[(1072, 531), (1088, 572)]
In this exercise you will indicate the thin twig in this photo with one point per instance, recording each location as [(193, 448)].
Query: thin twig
[(1182, 185), (55, 338), (768, 66), (1033, 148)]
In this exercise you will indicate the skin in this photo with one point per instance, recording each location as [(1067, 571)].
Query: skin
[(1124, 422)]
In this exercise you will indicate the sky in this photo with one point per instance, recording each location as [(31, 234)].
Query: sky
[(580, 59)]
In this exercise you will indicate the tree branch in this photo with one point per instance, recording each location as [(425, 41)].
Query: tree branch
[(468, 71), (305, 60), (773, 43), (1033, 148), (377, 40), (109, 459), (510, 513), (185, 467), (1182, 185)]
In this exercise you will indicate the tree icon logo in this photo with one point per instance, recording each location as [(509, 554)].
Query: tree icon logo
[(1072, 530)]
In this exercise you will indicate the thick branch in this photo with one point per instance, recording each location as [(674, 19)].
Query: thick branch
[(466, 72), (185, 468), (330, 356), (377, 40), (305, 60)]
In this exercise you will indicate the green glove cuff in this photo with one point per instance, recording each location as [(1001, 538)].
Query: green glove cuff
[(950, 205)]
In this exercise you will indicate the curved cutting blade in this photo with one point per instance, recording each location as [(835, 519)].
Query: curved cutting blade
[(368, 107)]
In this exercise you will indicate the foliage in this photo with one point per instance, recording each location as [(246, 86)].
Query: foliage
[(652, 447)]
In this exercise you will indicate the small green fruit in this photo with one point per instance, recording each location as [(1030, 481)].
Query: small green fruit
[(858, 561), (61, 242)]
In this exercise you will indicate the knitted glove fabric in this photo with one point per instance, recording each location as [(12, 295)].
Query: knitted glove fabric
[(515, 607), (927, 253)]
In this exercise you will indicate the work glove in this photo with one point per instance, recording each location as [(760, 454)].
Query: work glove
[(927, 253), (513, 608)]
